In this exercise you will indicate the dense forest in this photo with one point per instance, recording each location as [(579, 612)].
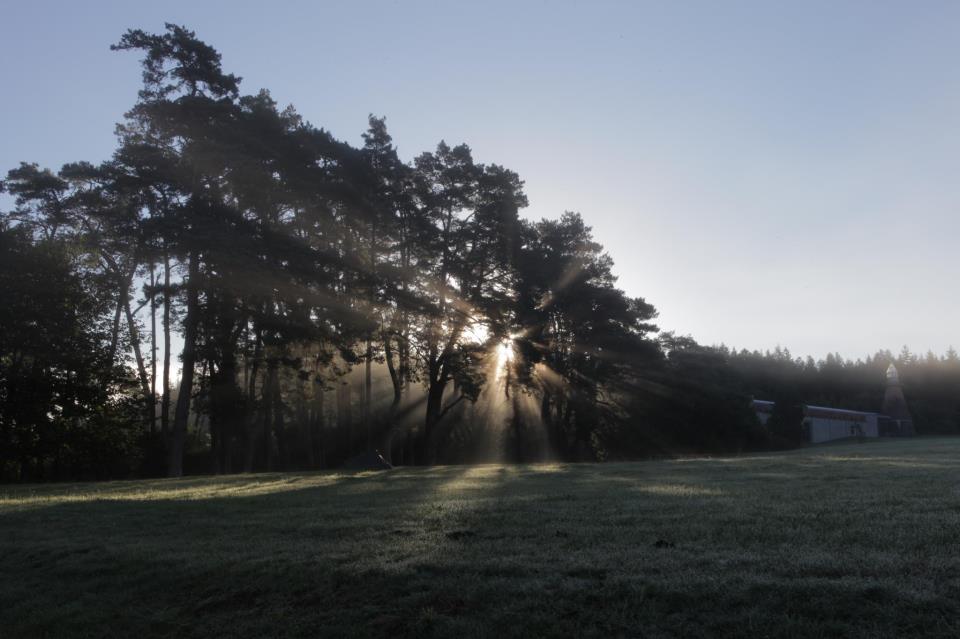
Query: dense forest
[(328, 300)]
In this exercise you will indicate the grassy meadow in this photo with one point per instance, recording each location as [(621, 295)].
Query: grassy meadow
[(858, 540)]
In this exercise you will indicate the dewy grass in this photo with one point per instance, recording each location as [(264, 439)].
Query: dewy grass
[(859, 540)]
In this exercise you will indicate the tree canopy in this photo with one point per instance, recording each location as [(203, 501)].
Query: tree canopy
[(328, 299)]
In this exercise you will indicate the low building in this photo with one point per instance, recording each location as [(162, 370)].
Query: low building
[(823, 424)]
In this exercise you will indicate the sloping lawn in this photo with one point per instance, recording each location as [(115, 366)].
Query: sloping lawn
[(859, 540)]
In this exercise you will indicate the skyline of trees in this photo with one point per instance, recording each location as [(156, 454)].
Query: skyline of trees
[(333, 299)]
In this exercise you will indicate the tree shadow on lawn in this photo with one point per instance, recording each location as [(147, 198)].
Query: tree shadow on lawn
[(458, 550), (287, 598), (140, 561)]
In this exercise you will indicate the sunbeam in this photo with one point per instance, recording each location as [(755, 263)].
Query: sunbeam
[(505, 355)]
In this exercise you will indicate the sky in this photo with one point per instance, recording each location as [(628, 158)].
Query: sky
[(765, 173)]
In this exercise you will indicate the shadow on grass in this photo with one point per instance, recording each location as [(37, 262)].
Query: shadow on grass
[(516, 551)]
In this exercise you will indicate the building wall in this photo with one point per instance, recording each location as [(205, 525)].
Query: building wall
[(824, 429), (823, 424)]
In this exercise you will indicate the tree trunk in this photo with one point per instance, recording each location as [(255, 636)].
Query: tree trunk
[(165, 398), (279, 426), (251, 416), (367, 392), (345, 417), (141, 368), (368, 379), (115, 331), (200, 390), (438, 376), (386, 444), (303, 419), (190, 321), (123, 294), (216, 422), (266, 400), (153, 349), (228, 375), (434, 407), (317, 422), (226, 400)]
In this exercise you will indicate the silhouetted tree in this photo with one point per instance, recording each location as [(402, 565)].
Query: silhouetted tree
[(295, 266)]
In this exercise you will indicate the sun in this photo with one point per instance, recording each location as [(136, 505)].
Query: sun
[(505, 355), (505, 352)]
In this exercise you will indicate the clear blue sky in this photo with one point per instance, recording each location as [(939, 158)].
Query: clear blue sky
[(764, 172)]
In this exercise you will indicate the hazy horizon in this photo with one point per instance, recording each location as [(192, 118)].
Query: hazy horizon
[(764, 175)]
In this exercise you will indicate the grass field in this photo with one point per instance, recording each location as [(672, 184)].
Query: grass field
[(858, 540)]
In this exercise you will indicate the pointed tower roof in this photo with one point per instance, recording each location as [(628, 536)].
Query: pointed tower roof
[(894, 403), (893, 377)]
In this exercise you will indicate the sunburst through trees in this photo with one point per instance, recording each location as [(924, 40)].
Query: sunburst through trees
[(329, 299)]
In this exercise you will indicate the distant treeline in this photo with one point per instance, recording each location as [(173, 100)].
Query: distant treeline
[(329, 300), (931, 382)]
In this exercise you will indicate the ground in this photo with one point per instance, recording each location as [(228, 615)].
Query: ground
[(859, 540)]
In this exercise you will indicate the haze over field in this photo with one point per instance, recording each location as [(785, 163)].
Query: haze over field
[(786, 545), (764, 174)]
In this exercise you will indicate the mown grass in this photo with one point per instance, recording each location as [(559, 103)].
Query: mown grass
[(859, 540)]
